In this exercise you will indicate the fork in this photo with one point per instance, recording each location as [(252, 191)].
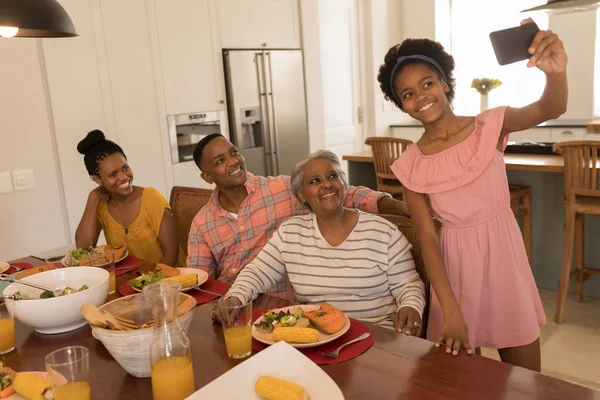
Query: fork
[(336, 353)]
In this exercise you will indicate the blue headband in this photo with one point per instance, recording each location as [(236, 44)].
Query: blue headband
[(413, 57)]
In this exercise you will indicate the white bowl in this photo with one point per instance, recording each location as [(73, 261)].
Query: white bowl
[(58, 314)]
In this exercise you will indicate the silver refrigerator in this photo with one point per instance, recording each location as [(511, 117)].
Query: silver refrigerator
[(267, 108)]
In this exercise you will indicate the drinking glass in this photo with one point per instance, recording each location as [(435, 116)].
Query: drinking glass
[(7, 329), (237, 326), (68, 369)]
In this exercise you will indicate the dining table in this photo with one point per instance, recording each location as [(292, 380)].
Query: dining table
[(397, 366)]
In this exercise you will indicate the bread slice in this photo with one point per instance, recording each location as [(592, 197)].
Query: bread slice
[(327, 318)]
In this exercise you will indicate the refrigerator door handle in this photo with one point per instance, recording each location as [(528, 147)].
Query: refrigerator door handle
[(264, 115), (272, 127)]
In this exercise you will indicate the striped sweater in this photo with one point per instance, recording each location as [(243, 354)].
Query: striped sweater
[(369, 276)]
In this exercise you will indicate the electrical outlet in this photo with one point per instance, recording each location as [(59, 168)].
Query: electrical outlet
[(23, 179), (5, 182)]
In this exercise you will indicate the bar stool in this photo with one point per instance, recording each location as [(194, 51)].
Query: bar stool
[(520, 203), (386, 150), (582, 187)]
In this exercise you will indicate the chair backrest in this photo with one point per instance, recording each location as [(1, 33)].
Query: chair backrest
[(185, 203), (406, 226), (386, 150), (582, 167)]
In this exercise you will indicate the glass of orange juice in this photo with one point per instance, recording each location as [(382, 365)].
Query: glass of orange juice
[(237, 326), (68, 369), (110, 267), (7, 329)]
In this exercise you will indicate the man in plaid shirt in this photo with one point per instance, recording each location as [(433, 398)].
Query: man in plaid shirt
[(245, 210)]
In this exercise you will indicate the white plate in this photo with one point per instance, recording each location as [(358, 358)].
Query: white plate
[(4, 266), (267, 338), (40, 374), (280, 361), (202, 277), (66, 258)]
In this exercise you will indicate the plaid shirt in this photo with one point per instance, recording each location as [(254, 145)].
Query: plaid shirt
[(222, 245)]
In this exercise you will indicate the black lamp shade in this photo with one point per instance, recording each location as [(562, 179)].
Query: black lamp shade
[(36, 18)]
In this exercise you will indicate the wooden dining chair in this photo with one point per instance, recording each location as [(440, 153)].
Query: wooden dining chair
[(582, 188), (185, 203), (520, 204), (406, 226), (386, 150)]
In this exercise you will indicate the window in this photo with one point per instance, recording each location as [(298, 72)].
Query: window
[(471, 22)]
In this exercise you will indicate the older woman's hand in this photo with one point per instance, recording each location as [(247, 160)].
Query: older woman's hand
[(409, 320)]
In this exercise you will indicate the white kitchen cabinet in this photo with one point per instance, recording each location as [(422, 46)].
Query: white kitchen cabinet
[(132, 85), (410, 133), (252, 24), (532, 135), (591, 136), (190, 56), (567, 134)]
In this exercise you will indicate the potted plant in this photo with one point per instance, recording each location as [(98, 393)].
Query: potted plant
[(484, 86)]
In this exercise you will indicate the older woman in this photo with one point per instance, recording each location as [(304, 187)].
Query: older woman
[(358, 262)]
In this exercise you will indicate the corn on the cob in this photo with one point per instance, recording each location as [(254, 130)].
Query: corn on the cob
[(186, 280), (296, 335), (277, 389), (31, 387)]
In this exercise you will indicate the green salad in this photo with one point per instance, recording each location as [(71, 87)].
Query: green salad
[(48, 295), (146, 279), (271, 319), (78, 254)]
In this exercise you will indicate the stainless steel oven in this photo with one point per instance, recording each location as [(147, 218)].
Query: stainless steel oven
[(186, 130)]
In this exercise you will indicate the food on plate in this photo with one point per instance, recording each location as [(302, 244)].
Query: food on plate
[(32, 387), (167, 270), (146, 279), (117, 252), (272, 320), (7, 377), (296, 335), (271, 388), (186, 280), (327, 318), (31, 271), (95, 256)]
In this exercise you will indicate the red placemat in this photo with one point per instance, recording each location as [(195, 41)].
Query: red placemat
[(201, 297), (12, 270), (129, 261), (349, 352)]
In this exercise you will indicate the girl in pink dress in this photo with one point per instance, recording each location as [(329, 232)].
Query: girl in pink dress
[(483, 293)]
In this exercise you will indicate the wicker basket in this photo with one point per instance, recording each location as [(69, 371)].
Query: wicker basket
[(131, 349)]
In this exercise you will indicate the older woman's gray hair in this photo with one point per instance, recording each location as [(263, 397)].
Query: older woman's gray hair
[(298, 171)]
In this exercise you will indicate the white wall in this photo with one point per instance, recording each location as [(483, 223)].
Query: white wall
[(578, 33), (30, 221), (311, 33)]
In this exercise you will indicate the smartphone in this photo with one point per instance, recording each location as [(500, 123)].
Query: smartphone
[(510, 45)]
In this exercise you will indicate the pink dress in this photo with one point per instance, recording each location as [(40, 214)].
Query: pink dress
[(481, 241)]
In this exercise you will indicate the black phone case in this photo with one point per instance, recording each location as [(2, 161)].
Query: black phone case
[(511, 45)]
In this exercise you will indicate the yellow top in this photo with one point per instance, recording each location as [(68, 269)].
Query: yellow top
[(142, 235)]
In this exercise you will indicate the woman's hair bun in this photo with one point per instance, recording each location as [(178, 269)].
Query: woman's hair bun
[(90, 140)]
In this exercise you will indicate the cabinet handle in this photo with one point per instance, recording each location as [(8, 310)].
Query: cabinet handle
[(221, 101), (264, 45), (567, 132)]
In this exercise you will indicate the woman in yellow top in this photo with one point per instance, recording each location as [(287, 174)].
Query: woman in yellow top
[(140, 217)]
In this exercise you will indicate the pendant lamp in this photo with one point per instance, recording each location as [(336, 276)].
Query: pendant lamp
[(35, 19)]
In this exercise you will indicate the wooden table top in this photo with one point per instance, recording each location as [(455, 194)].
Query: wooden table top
[(517, 162), (397, 366)]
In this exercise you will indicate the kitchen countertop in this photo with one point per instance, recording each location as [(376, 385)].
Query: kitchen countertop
[(518, 162)]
